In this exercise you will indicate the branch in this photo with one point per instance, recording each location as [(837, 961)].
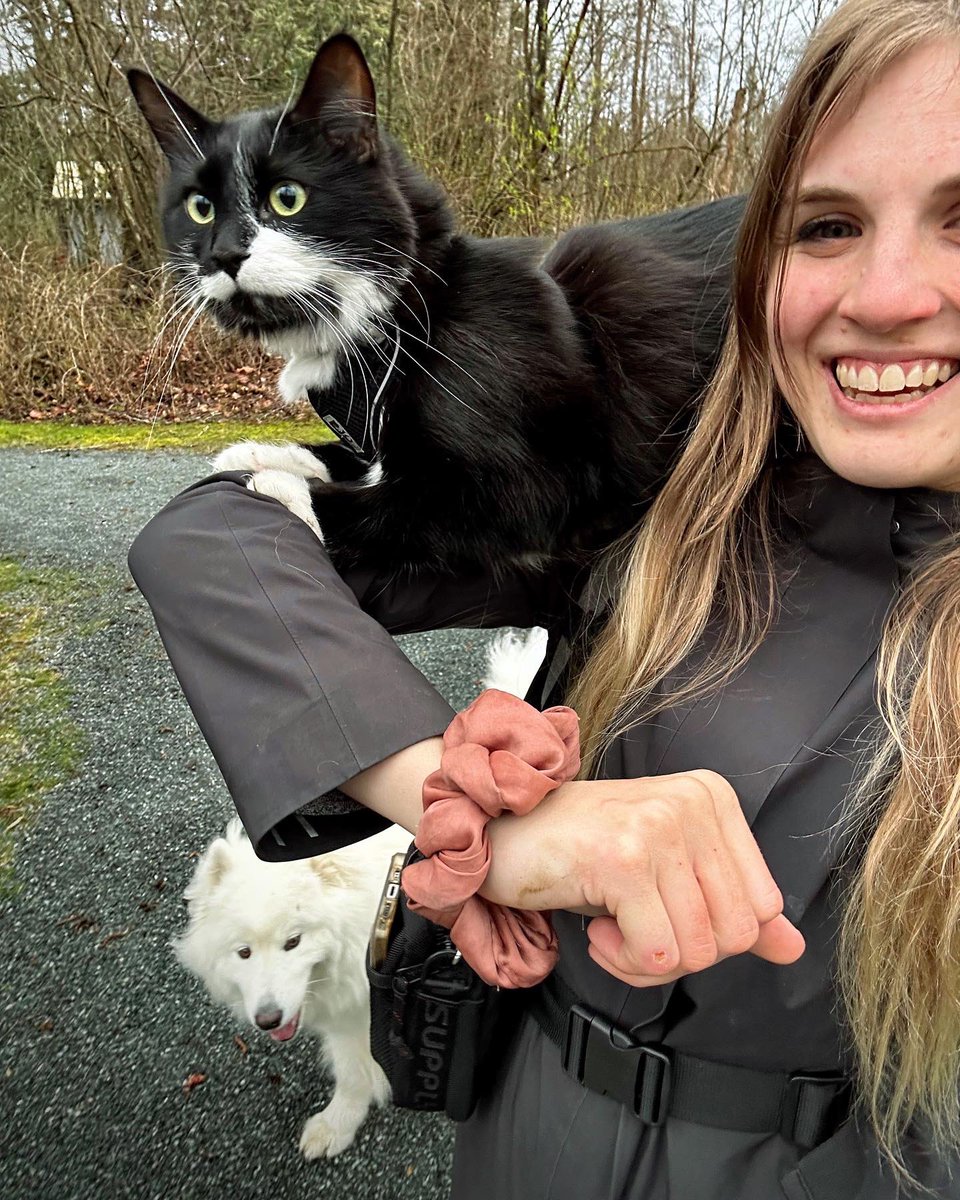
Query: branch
[(567, 59)]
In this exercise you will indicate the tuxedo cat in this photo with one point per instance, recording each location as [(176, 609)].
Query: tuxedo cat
[(498, 401)]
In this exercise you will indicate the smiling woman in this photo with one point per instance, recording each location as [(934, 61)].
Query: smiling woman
[(867, 308)]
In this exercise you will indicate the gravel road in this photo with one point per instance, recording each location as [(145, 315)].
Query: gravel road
[(100, 1027)]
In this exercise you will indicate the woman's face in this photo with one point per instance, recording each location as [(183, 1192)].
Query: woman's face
[(870, 310)]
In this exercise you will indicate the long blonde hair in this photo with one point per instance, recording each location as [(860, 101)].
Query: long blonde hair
[(704, 554)]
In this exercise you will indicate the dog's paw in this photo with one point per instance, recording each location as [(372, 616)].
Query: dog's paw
[(292, 492), (329, 1132), (267, 456)]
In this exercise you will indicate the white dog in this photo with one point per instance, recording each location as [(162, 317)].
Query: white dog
[(283, 945)]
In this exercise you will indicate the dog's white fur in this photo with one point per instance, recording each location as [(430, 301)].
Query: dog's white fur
[(237, 903)]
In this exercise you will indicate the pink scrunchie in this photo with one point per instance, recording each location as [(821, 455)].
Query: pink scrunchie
[(499, 755)]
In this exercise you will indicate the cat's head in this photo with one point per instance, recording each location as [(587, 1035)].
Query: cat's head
[(290, 225)]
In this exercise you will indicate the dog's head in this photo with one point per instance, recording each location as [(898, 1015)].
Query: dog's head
[(260, 934)]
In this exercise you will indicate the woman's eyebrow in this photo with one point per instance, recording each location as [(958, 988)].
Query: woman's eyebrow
[(825, 195), (830, 195)]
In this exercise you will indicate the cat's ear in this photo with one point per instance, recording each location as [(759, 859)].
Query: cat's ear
[(177, 127), (340, 97)]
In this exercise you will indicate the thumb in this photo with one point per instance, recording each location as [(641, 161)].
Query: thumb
[(779, 941)]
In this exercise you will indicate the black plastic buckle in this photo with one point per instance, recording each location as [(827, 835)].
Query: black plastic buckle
[(607, 1060), (815, 1105)]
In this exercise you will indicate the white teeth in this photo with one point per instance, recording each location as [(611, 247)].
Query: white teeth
[(892, 378), (894, 385), (867, 380)]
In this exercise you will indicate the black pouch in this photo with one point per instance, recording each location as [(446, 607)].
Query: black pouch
[(435, 1026)]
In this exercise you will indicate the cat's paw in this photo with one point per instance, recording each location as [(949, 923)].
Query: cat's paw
[(268, 456), (292, 492)]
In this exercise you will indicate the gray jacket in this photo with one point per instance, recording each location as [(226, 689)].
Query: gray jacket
[(296, 687)]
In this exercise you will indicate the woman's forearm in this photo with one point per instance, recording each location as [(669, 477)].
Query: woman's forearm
[(393, 787)]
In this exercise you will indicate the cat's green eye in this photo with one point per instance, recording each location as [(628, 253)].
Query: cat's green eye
[(200, 208), (287, 198)]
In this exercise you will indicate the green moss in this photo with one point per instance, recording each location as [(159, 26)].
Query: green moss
[(199, 436), (40, 746)]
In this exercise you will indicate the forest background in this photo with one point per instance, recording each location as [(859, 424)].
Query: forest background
[(536, 115)]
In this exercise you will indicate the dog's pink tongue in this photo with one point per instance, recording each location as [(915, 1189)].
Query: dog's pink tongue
[(285, 1032)]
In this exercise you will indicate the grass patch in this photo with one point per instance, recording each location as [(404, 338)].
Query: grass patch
[(57, 435), (40, 746)]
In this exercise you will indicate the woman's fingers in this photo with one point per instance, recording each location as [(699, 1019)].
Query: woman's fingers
[(779, 942), (641, 940), (761, 889), (687, 887)]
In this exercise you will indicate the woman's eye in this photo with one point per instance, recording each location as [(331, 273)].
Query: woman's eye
[(244, 951), (287, 198), (292, 943), (200, 208), (826, 229)]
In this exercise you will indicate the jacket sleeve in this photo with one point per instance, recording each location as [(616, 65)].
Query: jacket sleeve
[(290, 671)]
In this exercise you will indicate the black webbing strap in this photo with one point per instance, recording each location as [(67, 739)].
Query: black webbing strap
[(351, 406), (656, 1081)]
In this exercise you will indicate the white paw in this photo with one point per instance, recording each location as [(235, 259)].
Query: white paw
[(329, 1132), (292, 492), (267, 456)]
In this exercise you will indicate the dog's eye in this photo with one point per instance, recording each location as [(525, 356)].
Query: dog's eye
[(292, 943), (244, 951)]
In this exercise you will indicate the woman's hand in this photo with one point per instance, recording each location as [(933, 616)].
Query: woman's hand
[(669, 860)]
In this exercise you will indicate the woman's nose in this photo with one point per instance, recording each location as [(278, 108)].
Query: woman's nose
[(894, 283)]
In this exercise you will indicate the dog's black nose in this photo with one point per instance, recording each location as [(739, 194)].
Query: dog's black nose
[(269, 1020)]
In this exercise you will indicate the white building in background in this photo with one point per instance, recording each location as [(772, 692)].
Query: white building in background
[(90, 222)]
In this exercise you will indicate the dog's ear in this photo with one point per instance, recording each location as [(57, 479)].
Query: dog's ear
[(333, 872), (340, 97), (178, 128), (210, 870)]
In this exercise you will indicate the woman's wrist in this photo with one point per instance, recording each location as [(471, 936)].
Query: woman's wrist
[(535, 859)]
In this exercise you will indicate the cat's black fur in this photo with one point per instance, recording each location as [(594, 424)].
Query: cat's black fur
[(535, 402)]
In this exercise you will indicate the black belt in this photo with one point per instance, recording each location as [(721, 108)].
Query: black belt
[(656, 1081)]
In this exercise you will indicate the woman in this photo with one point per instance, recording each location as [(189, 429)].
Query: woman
[(803, 552)]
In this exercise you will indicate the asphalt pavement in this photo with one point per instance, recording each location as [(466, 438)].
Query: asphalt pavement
[(99, 1026)]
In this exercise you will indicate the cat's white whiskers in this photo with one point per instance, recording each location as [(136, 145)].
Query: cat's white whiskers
[(423, 322), (428, 374), (346, 346), (333, 301), (175, 354), (183, 304), (415, 261), (452, 361)]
